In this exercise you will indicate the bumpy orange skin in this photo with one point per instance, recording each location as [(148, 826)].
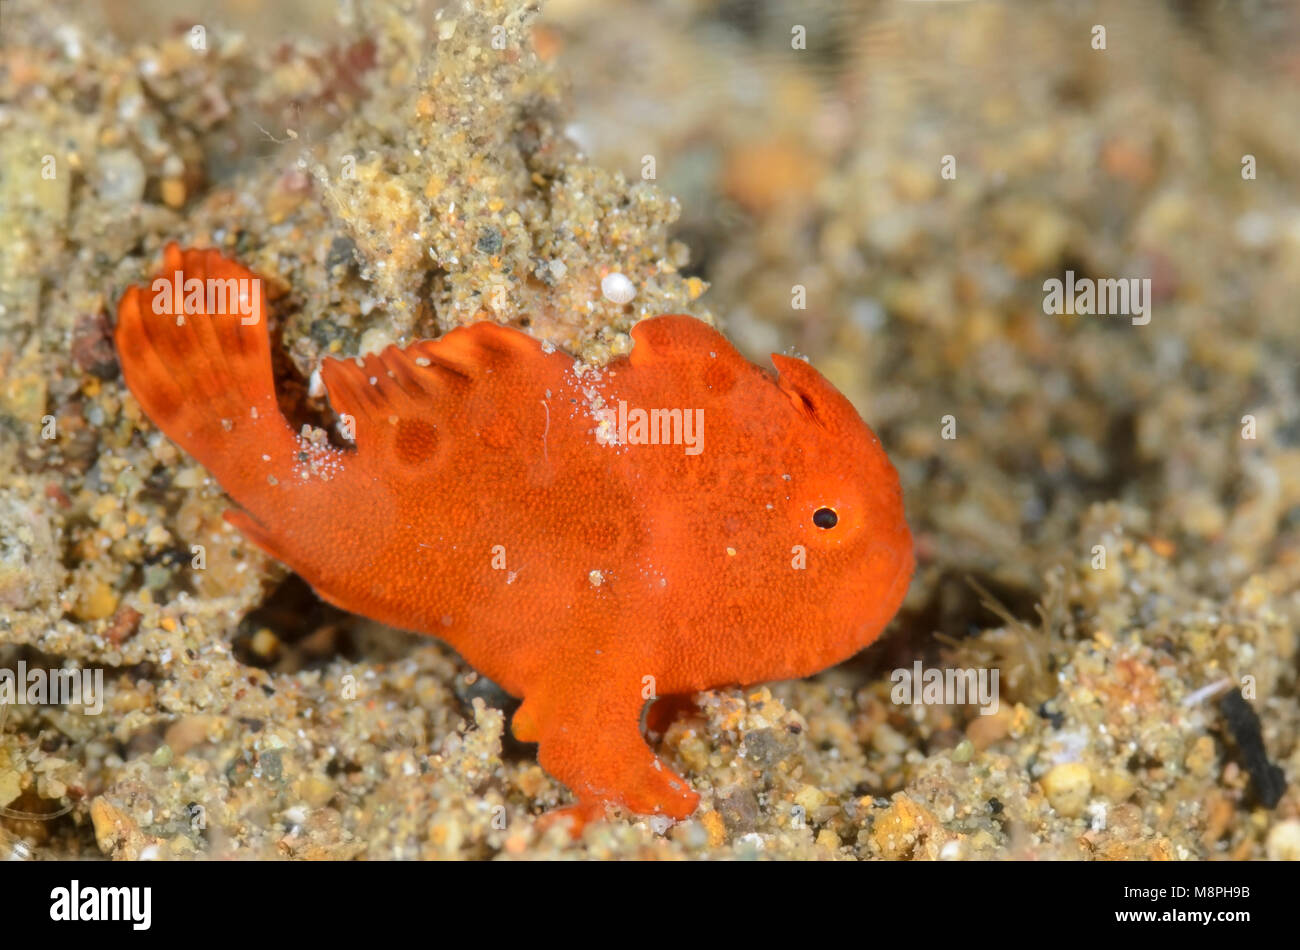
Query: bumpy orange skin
[(484, 503)]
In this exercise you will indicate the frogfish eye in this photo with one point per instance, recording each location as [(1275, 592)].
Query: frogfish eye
[(825, 518)]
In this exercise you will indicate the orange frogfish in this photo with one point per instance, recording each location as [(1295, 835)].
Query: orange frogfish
[(591, 539)]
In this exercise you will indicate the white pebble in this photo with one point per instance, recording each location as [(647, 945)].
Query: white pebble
[(952, 850), (617, 288)]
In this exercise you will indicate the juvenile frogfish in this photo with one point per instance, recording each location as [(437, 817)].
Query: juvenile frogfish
[(591, 539)]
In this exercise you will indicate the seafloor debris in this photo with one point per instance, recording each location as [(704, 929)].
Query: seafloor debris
[(1268, 781)]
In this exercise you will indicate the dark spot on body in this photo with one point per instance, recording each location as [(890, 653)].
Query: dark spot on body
[(653, 335), (720, 377), (416, 441)]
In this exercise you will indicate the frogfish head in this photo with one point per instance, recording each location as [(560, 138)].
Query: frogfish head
[(852, 557)]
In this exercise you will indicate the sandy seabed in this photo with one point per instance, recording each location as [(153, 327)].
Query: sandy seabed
[(888, 200)]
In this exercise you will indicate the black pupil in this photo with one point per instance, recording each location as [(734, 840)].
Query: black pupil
[(825, 518)]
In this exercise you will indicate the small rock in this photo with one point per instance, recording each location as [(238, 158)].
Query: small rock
[(766, 747), (983, 731), (886, 740), (173, 192), (123, 625), (113, 827), (265, 644), (904, 827), (185, 734), (119, 177), (810, 798), (95, 602), (1067, 787), (10, 786), (828, 839), (1283, 842), (739, 810), (272, 765), (92, 348), (317, 790), (715, 827), (1116, 785)]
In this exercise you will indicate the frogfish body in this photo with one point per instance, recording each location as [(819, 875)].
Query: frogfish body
[(589, 538)]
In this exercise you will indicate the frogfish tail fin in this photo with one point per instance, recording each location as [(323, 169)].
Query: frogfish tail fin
[(195, 352)]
